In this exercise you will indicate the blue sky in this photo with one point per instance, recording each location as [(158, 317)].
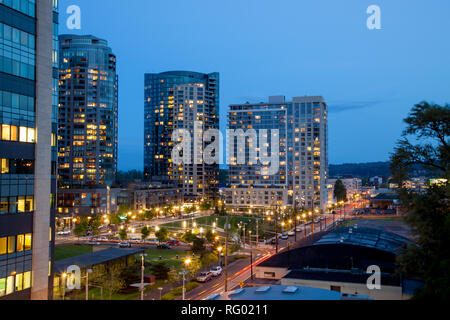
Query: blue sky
[(370, 78)]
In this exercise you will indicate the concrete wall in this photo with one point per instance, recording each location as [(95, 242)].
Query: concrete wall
[(42, 176), (263, 273)]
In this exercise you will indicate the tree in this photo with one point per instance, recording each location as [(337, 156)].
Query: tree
[(123, 234), (162, 234), (160, 271), (340, 192), (216, 211), (112, 282), (426, 213), (131, 274), (145, 232), (208, 258), (209, 236), (173, 276), (198, 246), (223, 211), (204, 206), (80, 229), (188, 237)]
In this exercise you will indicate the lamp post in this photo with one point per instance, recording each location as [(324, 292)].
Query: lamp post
[(64, 278), (186, 263), (142, 274), (160, 292), (219, 251), (87, 283)]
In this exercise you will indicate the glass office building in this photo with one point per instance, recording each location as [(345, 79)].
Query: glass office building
[(177, 100), (303, 154), (28, 125)]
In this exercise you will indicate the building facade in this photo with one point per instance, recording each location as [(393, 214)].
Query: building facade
[(174, 101), (352, 185), (303, 154), (88, 111), (88, 125), (28, 121), (145, 198)]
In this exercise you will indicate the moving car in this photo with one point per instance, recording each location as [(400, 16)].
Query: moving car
[(291, 234), (124, 245), (163, 246), (173, 243), (299, 230), (284, 237), (204, 277), (216, 271)]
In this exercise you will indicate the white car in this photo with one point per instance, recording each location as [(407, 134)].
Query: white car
[(204, 277), (291, 234), (299, 230), (216, 271), (124, 245)]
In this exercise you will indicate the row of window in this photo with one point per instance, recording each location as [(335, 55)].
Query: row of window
[(10, 100), (15, 282), (27, 7), (16, 166), (18, 243), (15, 133), (17, 36), (16, 204)]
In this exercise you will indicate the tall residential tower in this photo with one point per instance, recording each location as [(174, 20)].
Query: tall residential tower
[(303, 155), (180, 100), (88, 126), (28, 125)]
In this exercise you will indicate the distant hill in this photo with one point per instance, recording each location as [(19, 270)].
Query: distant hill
[(363, 170)]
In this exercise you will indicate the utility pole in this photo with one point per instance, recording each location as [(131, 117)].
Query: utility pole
[(276, 230), (251, 264), (295, 220), (257, 233), (226, 254)]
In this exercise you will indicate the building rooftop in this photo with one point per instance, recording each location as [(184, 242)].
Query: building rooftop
[(277, 292), (343, 249), (94, 258), (366, 237)]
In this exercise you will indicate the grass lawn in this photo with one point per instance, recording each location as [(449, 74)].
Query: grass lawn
[(64, 252), (154, 254)]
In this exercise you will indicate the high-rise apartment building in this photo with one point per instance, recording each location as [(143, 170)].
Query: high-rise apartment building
[(180, 100), (87, 125), (303, 154), (28, 126)]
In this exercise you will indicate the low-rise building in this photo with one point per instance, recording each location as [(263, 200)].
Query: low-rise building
[(283, 292), (339, 261), (144, 198)]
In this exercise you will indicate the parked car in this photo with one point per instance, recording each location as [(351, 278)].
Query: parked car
[(205, 277), (173, 243), (124, 245), (216, 271), (163, 246)]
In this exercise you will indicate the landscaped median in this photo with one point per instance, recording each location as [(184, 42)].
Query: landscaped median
[(178, 291)]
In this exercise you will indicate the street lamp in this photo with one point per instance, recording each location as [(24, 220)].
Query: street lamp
[(87, 283), (186, 263), (64, 278), (142, 274), (160, 292), (219, 250)]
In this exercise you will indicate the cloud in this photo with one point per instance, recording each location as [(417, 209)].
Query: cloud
[(352, 105)]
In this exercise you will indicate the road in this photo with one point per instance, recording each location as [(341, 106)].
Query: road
[(238, 271)]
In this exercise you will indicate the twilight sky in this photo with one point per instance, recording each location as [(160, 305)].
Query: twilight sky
[(370, 78)]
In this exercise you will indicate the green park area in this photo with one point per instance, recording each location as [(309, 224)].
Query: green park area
[(69, 251)]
